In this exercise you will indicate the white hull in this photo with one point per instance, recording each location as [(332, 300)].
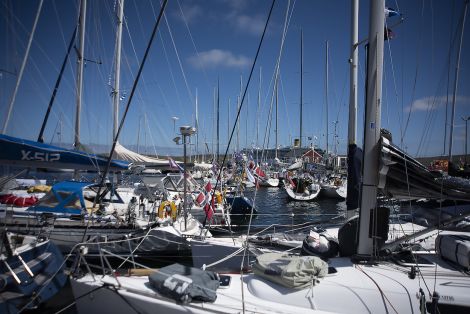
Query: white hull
[(355, 285), (331, 191), (271, 182), (311, 195), (227, 254)]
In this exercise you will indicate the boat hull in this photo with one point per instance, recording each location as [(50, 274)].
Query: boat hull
[(313, 193)]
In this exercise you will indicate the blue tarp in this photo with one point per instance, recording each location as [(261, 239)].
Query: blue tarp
[(64, 198), (27, 153)]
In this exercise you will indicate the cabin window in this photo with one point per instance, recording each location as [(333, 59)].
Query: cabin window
[(73, 203), (114, 198), (49, 200)]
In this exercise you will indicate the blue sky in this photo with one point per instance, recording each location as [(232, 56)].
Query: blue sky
[(218, 40)]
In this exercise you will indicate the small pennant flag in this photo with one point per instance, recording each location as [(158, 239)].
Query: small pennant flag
[(174, 165)]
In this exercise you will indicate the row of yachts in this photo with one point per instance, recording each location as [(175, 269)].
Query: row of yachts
[(109, 243)]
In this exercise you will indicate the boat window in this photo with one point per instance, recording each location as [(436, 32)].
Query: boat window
[(73, 203), (114, 198), (49, 200), (169, 184)]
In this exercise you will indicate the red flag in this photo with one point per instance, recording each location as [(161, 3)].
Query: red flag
[(209, 211), (260, 172), (200, 199), (208, 187)]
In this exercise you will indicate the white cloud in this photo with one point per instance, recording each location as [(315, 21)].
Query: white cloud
[(251, 24), (216, 57), (432, 103), (236, 5), (190, 12)]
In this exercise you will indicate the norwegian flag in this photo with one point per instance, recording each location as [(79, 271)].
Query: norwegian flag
[(208, 187), (209, 201), (209, 207), (200, 199)]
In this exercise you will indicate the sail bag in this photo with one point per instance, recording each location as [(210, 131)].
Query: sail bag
[(290, 271)]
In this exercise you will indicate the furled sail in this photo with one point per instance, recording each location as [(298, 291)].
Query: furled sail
[(21, 152), (122, 153), (403, 177)]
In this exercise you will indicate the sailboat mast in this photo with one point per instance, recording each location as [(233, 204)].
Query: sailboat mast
[(218, 119), (80, 62), (277, 117), (214, 105), (257, 115), (326, 101), (228, 122), (301, 82), (352, 188), (372, 126), (456, 80), (197, 128), (138, 134), (352, 124), (117, 67), (238, 109)]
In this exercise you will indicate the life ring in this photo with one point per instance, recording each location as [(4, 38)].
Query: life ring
[(166, 209), (218, 197)]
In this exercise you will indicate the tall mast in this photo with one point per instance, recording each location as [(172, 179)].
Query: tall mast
[(214, 105), (138, 135), (197, 128), (301, 81), (277, 117), (372, 126), (246, 121), (228, 121), (218, 119), (352, 124), (257, 115), (238, 109), (352, 189), (456, 80), (326, 101), (238, 125), (80, 60), (117, 67)]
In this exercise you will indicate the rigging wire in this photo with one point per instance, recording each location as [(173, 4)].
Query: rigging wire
[(157, 23), (190, 94), (404, 128), (20, 73), (431, 115), (276, 75), (193, 42), (448, 75), (237, 117)]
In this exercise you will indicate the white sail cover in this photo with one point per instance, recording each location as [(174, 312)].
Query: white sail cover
[(202, 166), (122, 153)]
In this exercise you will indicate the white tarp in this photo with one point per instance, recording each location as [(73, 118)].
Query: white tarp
[(202, 166), (122, 153)]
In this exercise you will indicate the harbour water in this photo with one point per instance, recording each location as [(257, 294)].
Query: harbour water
[(274, 208)]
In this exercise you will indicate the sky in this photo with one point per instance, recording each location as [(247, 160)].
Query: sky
[(200, 43)]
